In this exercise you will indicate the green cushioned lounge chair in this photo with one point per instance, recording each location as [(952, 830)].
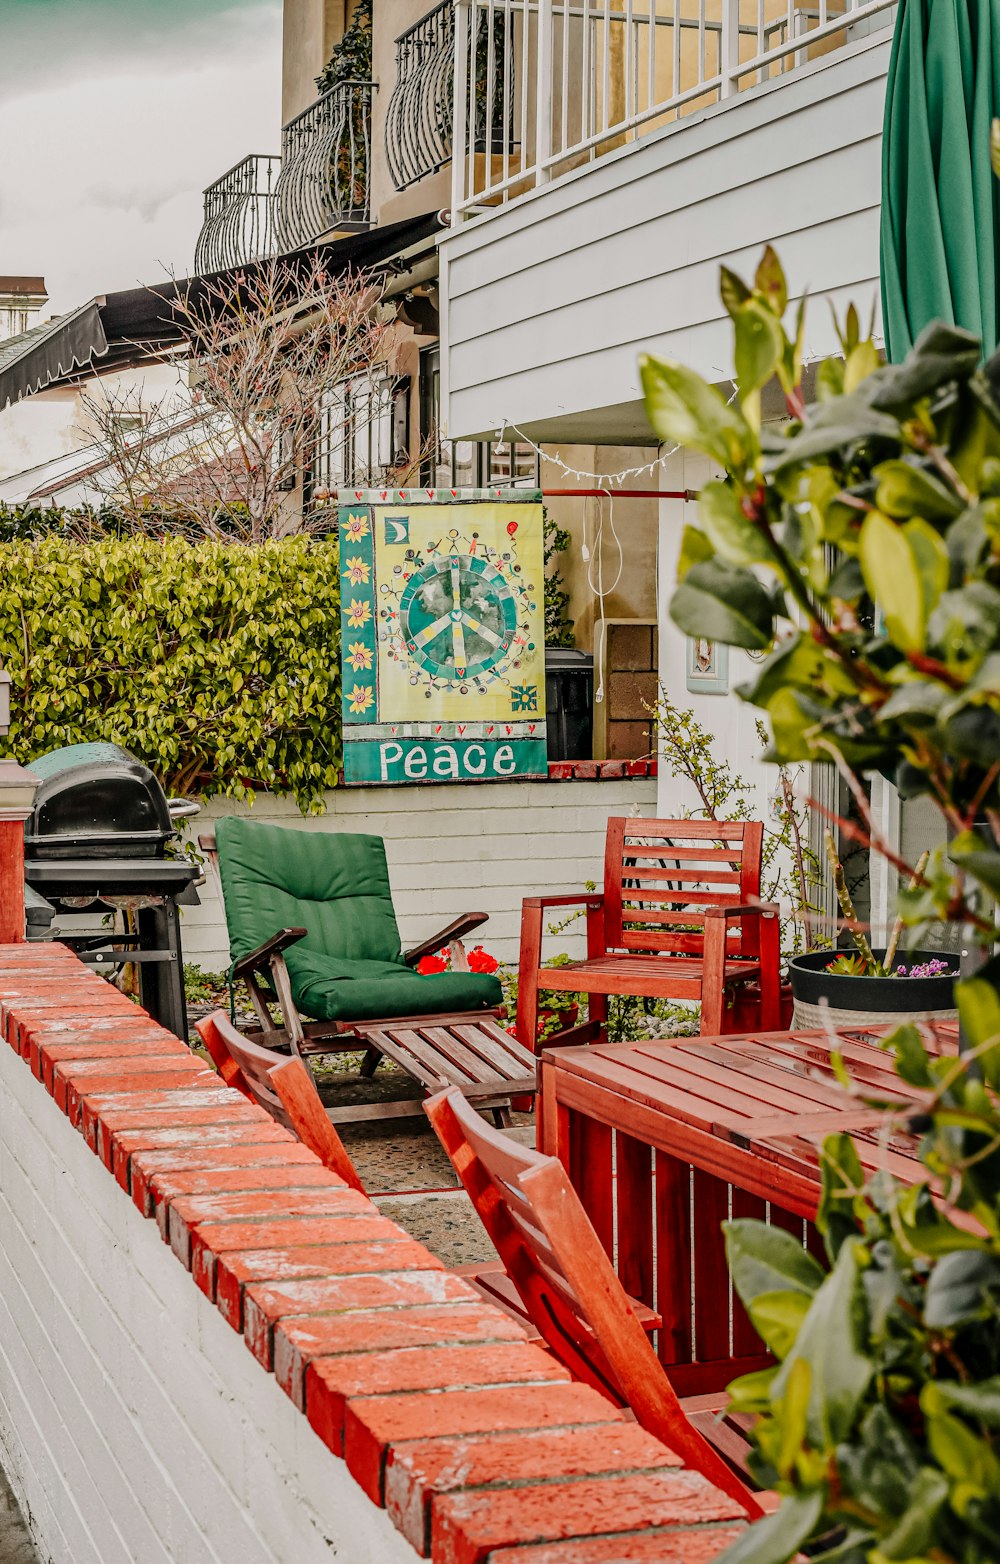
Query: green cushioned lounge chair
[(313, 933)]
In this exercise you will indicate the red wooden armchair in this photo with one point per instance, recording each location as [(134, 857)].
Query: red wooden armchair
[(680, 917), (570, 1290)]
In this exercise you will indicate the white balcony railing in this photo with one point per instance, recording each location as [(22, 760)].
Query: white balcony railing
[(543, 86)]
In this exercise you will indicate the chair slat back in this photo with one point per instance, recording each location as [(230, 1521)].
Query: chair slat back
[(661, 876), (283, 1086), (565, 1280), (252, 1063)]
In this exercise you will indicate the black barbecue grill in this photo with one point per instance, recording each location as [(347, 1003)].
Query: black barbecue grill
[(97, 841)]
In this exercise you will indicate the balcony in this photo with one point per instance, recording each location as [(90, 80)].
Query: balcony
[(325, 180), (239, 222), (418, 123), (321, 183), (608, 155)]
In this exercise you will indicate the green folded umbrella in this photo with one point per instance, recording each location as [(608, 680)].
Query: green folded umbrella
[(939, 197)]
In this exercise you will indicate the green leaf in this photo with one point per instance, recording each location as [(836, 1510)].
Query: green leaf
[(792, 1413), (752, 1392), (892, 575), (964, 1285), (914, 1535), (832, 1341), (906, 490), (861, 362), (764, 1260), (915, 705), (725, 604), (685, 410), (778, 1537), (695, 547), (966, 1458), (969, 851), (770, 281), (981, 1401), (731, 531), (941, 354), (978, 1009), (777, 1317), (759, 344), (732, 290), (841, 1179)]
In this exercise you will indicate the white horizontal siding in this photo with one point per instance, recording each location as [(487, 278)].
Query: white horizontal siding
[(550, 300), (450, 850)]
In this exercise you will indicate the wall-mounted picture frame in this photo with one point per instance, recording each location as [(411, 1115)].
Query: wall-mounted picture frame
[(707, 666)]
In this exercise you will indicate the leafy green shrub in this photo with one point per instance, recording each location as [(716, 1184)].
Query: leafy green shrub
[(217, 665)]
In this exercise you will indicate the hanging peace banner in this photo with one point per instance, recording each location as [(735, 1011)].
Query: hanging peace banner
[(442, 635)]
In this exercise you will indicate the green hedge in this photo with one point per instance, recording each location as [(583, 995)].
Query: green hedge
[(217, 665)]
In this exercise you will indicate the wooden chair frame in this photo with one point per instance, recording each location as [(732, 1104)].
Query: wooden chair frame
[(461, 1048), (666, 926), (569, 1287)]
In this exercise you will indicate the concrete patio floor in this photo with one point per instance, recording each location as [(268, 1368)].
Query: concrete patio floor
[(404, 1169)]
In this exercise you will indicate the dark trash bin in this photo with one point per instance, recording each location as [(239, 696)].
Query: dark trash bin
[(569, 703)]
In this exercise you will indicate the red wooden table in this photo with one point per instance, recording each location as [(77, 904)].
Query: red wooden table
[(665, 1140)]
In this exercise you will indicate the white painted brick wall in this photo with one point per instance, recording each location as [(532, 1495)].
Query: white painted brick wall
[(451, 850), (134, 1425)]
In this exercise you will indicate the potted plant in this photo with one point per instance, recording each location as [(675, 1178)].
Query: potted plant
[(880, 1422), (865, 985)]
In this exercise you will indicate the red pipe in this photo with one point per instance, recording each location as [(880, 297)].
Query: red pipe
[(619, 494)]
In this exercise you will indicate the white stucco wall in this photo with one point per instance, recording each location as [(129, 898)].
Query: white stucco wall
[(135, 1427)]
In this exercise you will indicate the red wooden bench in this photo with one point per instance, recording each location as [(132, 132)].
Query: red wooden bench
[(570, 1292), (680, 917)]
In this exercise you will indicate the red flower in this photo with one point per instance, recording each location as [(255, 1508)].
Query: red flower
[(480, 960), (427, 965)]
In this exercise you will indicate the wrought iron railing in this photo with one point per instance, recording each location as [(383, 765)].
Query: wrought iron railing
[(239, 223), (418, 125), (325, 179), (419, 120)]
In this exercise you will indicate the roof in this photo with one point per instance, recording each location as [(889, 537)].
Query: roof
[(140, 326), (30, 285)]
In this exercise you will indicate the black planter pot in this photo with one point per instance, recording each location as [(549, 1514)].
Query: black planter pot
[(821, 995)]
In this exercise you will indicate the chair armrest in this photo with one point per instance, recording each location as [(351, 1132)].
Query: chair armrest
[(457, 929), (766, 909), (206, 841), (574, 899), (271, 947)]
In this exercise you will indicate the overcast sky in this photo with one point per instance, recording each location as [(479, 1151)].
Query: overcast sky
[(114, 114)]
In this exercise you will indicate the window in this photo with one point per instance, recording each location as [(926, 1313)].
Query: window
[(362, 433), (467, 464)]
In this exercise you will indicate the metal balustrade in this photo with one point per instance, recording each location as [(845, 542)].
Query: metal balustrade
[(543, 86), (268, 205), (325, 179), (239, 222), (418, 122)]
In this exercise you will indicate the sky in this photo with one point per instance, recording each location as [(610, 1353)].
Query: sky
[(114, 115)]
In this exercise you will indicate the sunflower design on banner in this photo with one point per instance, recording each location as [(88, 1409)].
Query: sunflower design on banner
[(442, 635)]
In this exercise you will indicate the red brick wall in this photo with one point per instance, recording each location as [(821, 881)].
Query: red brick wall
[(473, 1440)]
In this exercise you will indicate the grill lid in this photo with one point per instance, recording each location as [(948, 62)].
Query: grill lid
[(96, 801)]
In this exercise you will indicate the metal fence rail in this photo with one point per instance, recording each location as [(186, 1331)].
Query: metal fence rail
[(543, 86), (239, 222), (325, 179)]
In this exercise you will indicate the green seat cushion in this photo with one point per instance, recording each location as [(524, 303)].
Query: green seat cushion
[(331, 990), (335, 885)]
